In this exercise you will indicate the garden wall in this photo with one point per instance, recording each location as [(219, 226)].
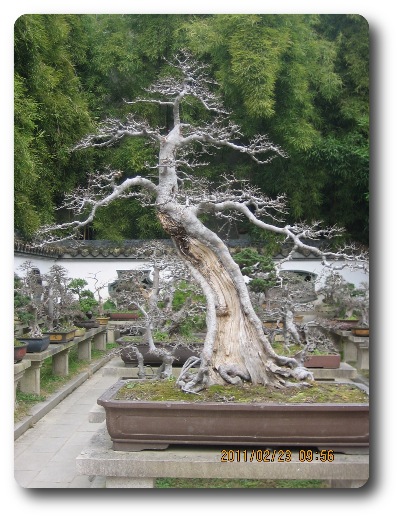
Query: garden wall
[(106, 268)]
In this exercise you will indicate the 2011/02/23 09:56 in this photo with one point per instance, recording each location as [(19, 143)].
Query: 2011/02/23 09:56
[(274, 455)]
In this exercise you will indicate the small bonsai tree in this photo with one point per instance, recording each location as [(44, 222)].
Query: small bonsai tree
[(348, 301), (86, 299), (276, 295), (98, 287), (29, 298), (166, 306), (293, 293), (260, 272), (60, 305)]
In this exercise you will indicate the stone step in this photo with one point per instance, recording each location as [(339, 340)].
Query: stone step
[(116, 367), (344, 371)]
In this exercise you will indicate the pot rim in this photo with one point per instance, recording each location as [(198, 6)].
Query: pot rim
[(107, 400)]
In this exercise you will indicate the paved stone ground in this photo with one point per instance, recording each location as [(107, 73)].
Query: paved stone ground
[(44, 456)]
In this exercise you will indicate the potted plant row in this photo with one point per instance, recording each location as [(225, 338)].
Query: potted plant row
[(350, 304), (46, 304)]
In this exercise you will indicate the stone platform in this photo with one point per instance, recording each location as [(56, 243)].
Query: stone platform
[(140, 469), (116, 367)]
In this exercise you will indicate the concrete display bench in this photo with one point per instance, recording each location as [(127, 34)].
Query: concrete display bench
[(113, 332), (19, 371), (355, 349), (59, 353), (140, 469)]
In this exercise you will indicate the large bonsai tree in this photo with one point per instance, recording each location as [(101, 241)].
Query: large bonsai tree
[(235, 347)]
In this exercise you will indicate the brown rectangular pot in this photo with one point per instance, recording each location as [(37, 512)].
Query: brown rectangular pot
[(138, 425), (57, 337), (330, 361), (123, 316), (360, 332), (102, 320)]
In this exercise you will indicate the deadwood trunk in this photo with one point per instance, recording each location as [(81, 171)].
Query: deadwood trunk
[(236, 348)]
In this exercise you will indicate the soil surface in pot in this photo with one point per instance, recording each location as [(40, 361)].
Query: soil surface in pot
[(317, 392)]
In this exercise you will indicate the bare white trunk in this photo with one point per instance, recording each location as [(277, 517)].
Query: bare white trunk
[(236, 348)]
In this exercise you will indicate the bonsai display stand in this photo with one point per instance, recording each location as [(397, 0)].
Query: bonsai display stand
[(59, 353), (19, 371), (140, 469), (361, 347), (113, 332), (355, 349)]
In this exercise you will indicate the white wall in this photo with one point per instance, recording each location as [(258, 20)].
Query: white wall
[(356, 276), (106, 269)]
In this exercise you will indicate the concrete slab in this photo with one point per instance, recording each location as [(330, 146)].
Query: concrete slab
[(81, 482), (63, 471), (30, 460), (24, 478), (138, 469), (50, 445)]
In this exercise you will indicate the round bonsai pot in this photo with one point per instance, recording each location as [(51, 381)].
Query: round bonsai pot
[(87, 324), (20, 351), (102, 320), (36, 345), (360, 332)]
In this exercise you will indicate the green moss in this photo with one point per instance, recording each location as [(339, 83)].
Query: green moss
[(318, 392)]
